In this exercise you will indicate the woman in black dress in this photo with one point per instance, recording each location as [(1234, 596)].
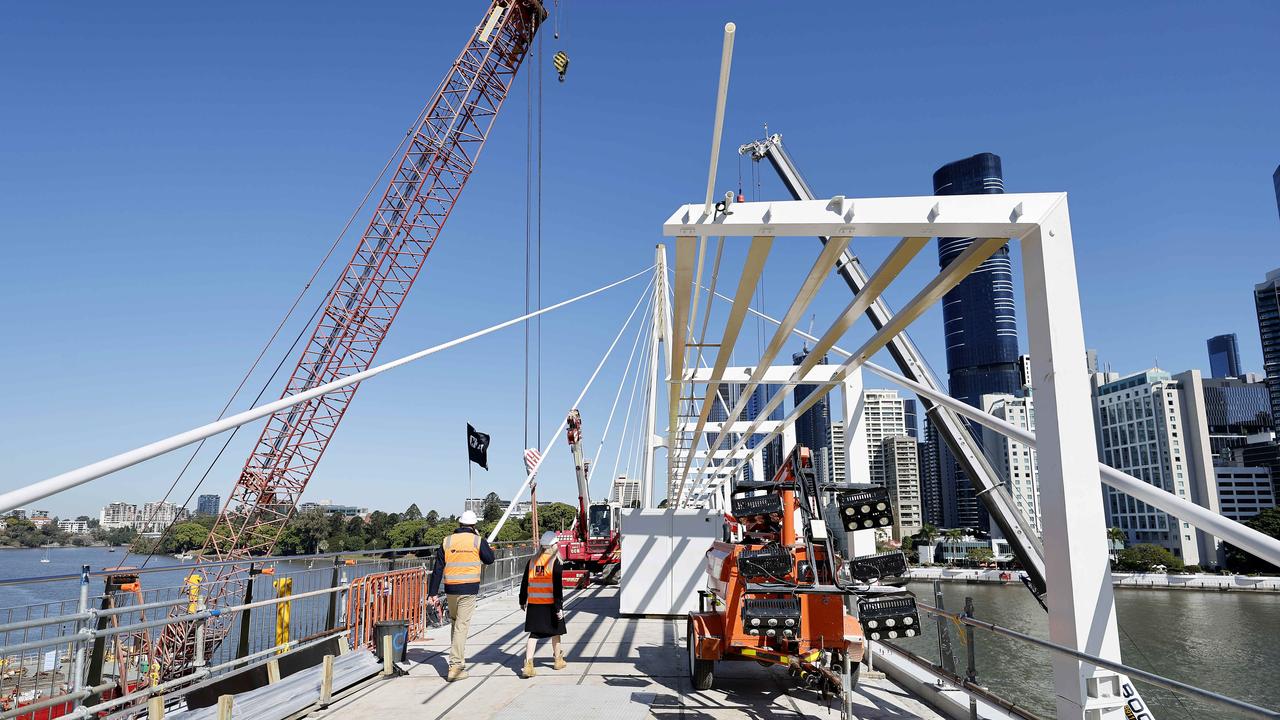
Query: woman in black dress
[(542, 599)]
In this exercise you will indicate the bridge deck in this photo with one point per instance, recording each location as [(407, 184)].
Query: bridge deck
[(619, 668)]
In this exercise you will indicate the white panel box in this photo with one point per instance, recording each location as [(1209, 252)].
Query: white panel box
[(664, 559)]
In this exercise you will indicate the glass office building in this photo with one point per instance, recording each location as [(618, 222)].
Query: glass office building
[(1266, 298), (980, 326), (1224, 356)]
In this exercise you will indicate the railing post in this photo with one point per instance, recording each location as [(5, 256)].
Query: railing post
[(945, 658), (332, 617), (83, 607), (326, 681), (243, 648), (155, 708), (971, 674)]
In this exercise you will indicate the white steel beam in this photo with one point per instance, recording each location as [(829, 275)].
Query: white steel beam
[(1082, 613), (888, 270), (773, 375), (950, 276), (740, 426), (678, 341), (1009, 216), (817, 275)]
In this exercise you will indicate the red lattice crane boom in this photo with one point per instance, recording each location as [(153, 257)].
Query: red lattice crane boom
[(440, 154)]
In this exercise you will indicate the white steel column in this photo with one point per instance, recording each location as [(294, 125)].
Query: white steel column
[(660, 330), (857, 464), (1081, 604)]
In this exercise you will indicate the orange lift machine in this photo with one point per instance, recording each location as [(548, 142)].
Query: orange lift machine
[(779, 591)]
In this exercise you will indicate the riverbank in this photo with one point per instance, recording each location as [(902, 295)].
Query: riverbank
[(1146, 581)]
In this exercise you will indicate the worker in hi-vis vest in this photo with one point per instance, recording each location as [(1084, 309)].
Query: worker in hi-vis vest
[(542, 599), (458, 562)]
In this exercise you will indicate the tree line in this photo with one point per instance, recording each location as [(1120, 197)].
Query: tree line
[(317, 531)]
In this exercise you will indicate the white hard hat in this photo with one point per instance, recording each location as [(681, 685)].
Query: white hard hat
[(468, 518), (549, 538)]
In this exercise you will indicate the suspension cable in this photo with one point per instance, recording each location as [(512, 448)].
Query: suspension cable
[(622, 383), (72, 478), (533, 471)]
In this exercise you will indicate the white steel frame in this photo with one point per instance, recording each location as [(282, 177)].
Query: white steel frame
[(1082, 611)]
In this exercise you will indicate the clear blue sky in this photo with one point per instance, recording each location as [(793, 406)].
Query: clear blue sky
[(170, 173)]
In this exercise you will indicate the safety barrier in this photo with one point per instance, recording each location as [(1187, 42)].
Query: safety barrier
[(397, 595), (81, 657)]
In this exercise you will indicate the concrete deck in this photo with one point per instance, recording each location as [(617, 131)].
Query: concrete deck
[(619, 668)]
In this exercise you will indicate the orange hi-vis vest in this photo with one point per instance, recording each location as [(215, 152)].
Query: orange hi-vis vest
[(541, 574), (461, 559)]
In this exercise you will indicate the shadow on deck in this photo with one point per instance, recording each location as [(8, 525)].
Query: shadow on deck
[(619, 669)]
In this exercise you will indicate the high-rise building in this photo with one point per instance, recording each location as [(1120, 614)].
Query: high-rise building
[(117, 515), (1152, 425), (902, 477), (1266, 299), (154, 517), (626, 492), (728, 395), (1244, 491), (813, 427), (883, 416), (1224, 356), (979, 324), (930, 476), (1275, 180), (912, 418), (1015, 462), (1235, 410), (1261, 450), (838, 471), (208, 505)]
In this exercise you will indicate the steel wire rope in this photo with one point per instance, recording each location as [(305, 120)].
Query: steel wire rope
[(623, 437), (622, 383), (641, 431), (396, 152), (72, 478), (533, 472)]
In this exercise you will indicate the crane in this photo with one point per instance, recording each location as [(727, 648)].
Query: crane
[(592, 546), (439, 156)]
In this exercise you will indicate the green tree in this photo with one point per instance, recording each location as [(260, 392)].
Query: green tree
[(437, 534), (407, 533), (554, 516), (186, 536), (980, 555), (1266, 522), (413, 513), (492, 508), (311, 532), (1145, 556), (928, 533), (433, 518)]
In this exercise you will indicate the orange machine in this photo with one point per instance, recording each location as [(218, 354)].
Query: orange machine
[(780, 594)]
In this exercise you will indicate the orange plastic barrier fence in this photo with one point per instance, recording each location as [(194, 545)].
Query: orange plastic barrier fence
[(396, 595)]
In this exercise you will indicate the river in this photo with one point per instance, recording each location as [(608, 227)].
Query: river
[(1225, 642)]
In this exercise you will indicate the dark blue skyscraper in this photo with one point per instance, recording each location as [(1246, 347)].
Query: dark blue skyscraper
[(813, 428), (1224, 356), (1275, 180), (730, 393), (911, 418), (980, 326)]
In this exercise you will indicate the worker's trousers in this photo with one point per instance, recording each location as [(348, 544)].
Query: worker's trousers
[(460, 609)]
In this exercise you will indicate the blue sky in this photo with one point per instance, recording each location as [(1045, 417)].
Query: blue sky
[(170, 174)]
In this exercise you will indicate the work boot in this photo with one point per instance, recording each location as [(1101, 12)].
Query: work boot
[(457, 672), (560, 664), (528, 671)]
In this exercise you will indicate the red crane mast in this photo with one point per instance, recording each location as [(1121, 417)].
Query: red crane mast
[(440, 154)]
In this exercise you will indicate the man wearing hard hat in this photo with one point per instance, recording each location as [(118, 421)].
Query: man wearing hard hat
[(458, 562)]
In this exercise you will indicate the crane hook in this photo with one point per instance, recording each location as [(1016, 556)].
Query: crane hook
[(561, 62)]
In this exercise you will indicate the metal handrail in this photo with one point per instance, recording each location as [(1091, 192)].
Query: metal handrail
[(1247, 708), (220, 563)]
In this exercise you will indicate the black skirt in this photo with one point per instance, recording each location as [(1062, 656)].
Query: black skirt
[(541, 621)]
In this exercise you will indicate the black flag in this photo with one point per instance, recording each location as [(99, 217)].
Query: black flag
[(478, 447)]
